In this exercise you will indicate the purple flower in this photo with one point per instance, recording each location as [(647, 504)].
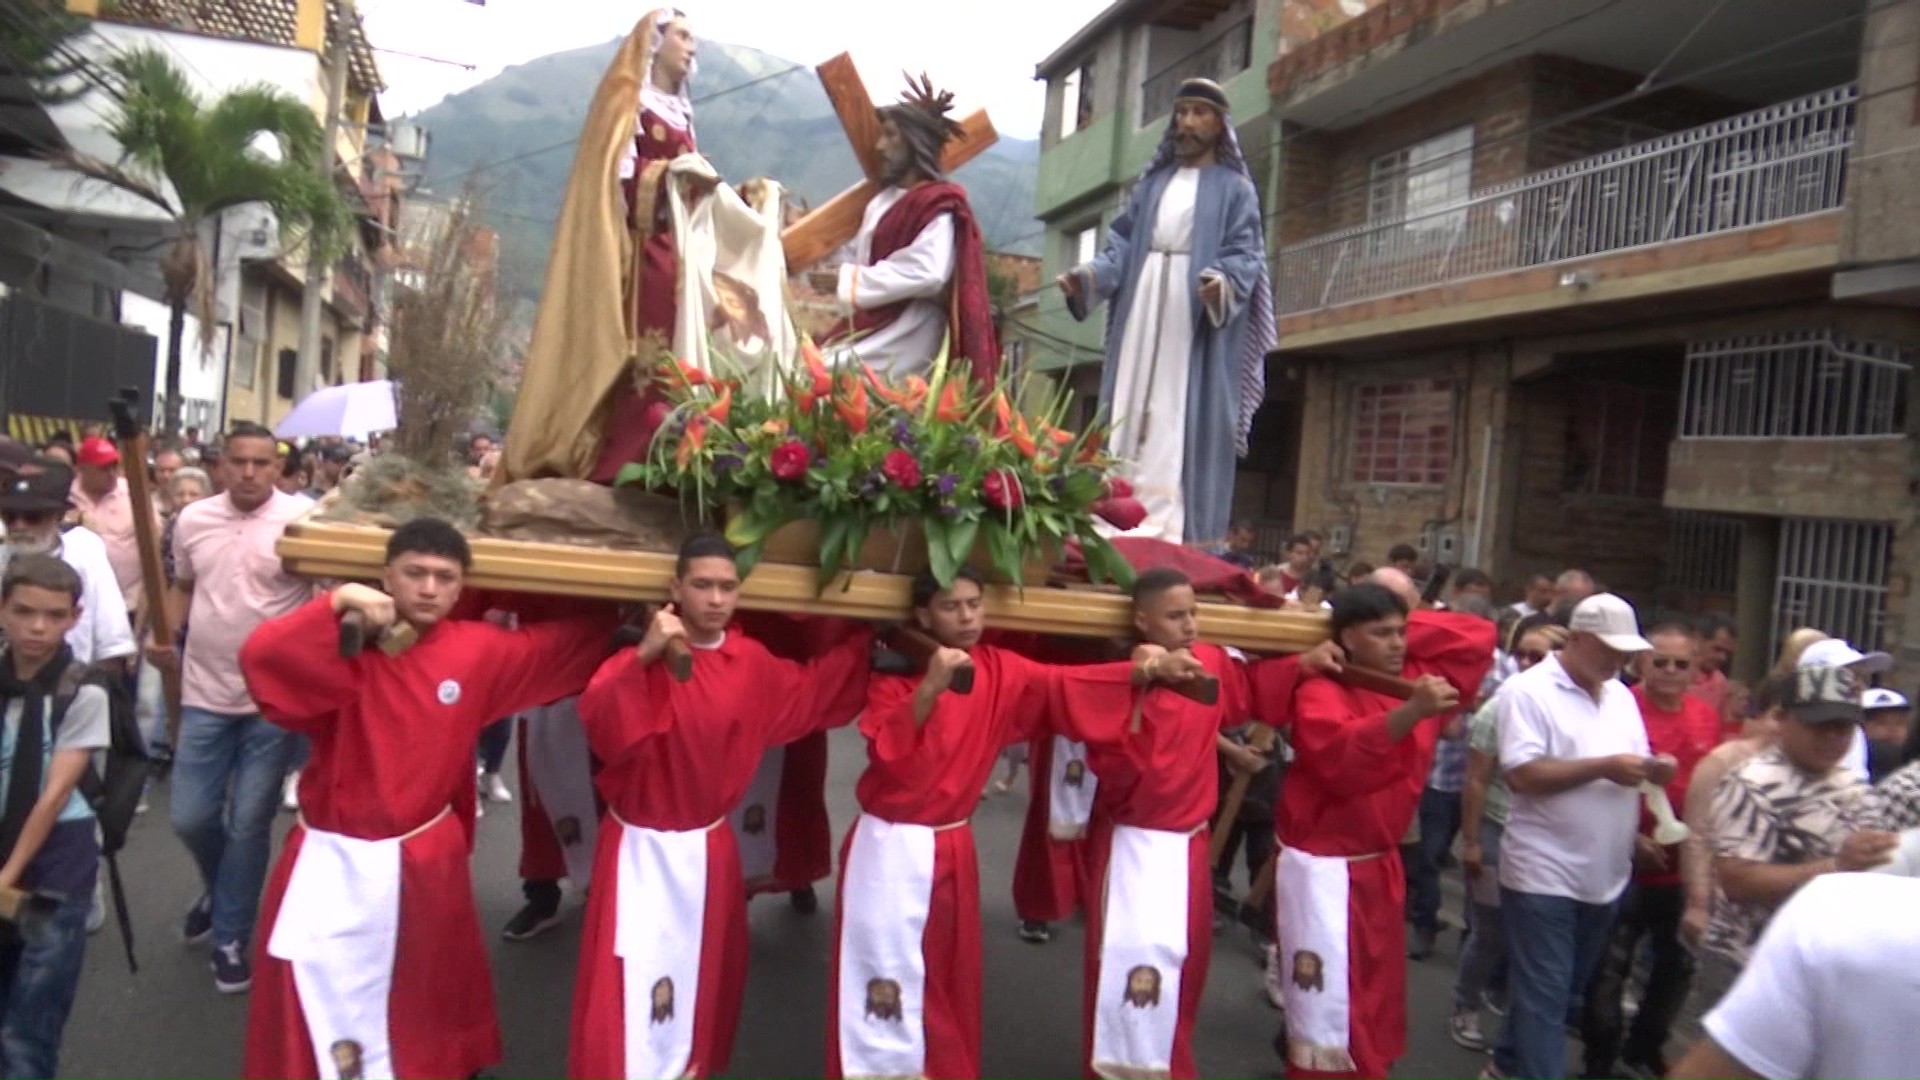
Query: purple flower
[(948, 510), (903, 435), (946, 483), (740, 449), (970, 442), (873, 484), (726, 463), (1057, 485)]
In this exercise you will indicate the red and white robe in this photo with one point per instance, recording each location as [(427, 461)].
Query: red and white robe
[(1150, 929), (664, 952), (1340, 892), (1050, 873), (371, 961), (904, 996)]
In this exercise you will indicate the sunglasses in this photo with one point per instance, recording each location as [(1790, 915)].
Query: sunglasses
[(1669, 663), (26, 517), (1530, 656)]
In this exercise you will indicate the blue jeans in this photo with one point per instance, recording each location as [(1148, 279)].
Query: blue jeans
[(1483, 956), (1553, 945), (38, 981), (1439, 823), (227, 773)]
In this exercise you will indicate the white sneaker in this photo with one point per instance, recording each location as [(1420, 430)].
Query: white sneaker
[(494, 789), (97, 915), (290, 792), (479, 809)]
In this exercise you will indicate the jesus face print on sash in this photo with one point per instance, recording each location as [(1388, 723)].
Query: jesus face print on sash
[(347, 1059), (883, 999), (754, 821), (663, 1000), (567, 829), (1076, 774), (1143, 987), (1309, 971)]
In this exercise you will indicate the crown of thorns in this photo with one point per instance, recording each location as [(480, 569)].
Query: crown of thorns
[(934, 105)]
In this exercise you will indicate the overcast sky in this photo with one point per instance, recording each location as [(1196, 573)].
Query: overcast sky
[(983, 50)]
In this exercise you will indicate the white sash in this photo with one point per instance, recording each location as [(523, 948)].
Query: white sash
[(1311, 902), (885, 895), (1070, 790), (1143, 946), (756, 821), (561, 769), (338, 928), (660, 911)]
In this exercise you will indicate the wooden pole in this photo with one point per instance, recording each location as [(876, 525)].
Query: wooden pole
[(153, 578)]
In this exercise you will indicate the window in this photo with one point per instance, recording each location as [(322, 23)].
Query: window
[(1421, 179), (289, 359), (1076, 99), (1086, 244), (1833, 575), (1617, 438), (252, 337), (326, 362), (1402, 433)]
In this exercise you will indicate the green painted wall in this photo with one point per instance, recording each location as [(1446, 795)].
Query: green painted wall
[(1078, 165)]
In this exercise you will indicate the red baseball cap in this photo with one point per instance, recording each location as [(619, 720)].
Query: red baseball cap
[(97, 452)]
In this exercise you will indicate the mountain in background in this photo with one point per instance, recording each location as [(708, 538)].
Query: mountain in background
[(754, 115)]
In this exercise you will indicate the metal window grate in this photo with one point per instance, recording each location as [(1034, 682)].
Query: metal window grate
[(1703, 553), (1219, 58), (1833, 577), (1807, 384)]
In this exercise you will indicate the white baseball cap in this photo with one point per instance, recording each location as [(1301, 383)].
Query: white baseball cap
[(1880, 697), (1610, 619), (1833, 652)]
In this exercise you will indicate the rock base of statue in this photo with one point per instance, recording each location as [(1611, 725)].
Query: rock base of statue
[(889, 551)]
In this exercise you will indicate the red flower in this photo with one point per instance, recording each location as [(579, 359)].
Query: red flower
[(722, 406), (692, 441), (1002, 491), (901, 468), (853, 406), (1122, 513), (689, 374), (1118, 488), (817, 369), (953, 405), (790, 460)]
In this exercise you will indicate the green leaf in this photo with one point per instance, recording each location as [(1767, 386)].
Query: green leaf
[(631, 473), (833, 543), (962, 535), (939, 551), (1104, 563), (1004, 549), (746, 558), (752, 525), (856, 541)]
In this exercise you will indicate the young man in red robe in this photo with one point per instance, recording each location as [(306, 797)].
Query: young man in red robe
[(919, 275), (1360, 761), (664, 953), (1150, 915), (373, 965), (904, 998)]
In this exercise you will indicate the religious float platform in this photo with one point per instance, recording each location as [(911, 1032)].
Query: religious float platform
[(324, 549)]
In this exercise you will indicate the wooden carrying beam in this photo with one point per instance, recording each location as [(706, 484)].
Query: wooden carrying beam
[(837, 221), (348, 552)]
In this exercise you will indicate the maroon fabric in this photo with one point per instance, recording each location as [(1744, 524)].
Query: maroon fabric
[(1208, 574), (970, 314)]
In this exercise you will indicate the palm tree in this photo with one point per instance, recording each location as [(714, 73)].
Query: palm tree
[(211, 155)]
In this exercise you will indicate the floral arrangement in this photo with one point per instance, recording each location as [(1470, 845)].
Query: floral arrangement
[(855, 454)]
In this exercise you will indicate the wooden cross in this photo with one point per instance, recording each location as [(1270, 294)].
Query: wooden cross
[(816, 235)]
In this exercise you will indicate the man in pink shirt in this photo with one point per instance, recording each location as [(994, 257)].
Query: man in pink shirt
[(229, 581), (100, 495)]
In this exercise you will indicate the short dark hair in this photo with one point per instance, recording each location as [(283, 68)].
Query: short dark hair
[(1711, 625), (1314, 535), (1156, 581), (1539, 576), (1297, 539), (1670, 625), (926, 586), (247, 429), (1363, 603), (702, 545), (1243, 525), (1774, 691), (1403, 553), (430, 536), (41, 572), (1472, 578), (1360, 568)]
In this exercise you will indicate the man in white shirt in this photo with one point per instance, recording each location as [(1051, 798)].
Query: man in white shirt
[(32, 504), (1539, 596), (1575, 753), (1829, 991)]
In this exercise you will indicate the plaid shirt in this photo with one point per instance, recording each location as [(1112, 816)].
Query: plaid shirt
[(1894, 803), (1449, 772)]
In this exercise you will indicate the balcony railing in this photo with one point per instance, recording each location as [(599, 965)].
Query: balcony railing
[(1223, 56), (1779, 162), (1808, 384)]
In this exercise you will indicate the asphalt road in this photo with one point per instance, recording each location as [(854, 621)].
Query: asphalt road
[(168, 1021)]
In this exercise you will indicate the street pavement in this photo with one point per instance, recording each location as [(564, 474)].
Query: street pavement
[(168, 1021)]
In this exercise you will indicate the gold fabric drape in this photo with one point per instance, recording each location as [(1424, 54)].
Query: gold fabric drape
[(581, 343)]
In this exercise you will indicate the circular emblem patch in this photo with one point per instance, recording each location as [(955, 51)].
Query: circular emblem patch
[(659, 133), (449, 692)]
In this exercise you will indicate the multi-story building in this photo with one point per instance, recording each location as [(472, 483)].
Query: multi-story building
[(1625, 285), (1110, 94)]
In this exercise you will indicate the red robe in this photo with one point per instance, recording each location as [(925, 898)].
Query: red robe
[(1353, 791), (677, 757), (391, 751), (628, 431), (541, 856), (1050, 875), (1166, 777), (970, 304), (932, 775), (803, 832)]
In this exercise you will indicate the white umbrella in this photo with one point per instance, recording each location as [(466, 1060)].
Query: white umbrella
[(352, 411)]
